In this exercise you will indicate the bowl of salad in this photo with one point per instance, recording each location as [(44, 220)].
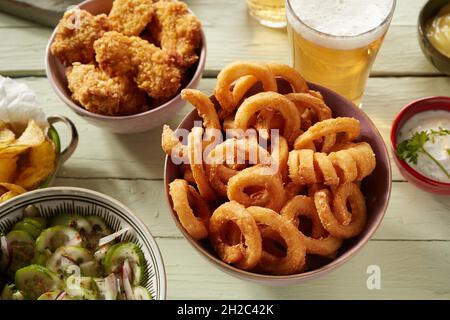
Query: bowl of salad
[(69, 243)]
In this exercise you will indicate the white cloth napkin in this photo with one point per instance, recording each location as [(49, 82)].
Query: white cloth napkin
[(19, 104)]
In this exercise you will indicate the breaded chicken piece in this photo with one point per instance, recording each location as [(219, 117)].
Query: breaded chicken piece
[(151, 67), (114, 55), (177, 31), (75, 36), (99, 93), (130, 17), (156, 73)]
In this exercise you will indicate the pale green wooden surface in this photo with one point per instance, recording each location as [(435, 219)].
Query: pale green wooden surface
[(231, 34), (412, 245)]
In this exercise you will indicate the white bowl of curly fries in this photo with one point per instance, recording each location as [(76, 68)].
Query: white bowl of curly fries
[(121, 64), (275, 207)]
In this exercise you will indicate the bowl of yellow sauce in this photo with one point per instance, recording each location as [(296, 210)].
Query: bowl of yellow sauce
[(434, 33)]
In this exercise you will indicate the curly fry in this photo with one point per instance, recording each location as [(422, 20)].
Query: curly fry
[(362, 154), (316, 94), (204, 106), (325, 166), (170, 142), (188, 176), (235, 71), (296, 251), (241, 151), (347, 192), (280, 152), (292, 189), (351, 164), (316, 243), (344, 165), (195, 226), (242, 85), (195, 147), (304, 101), (289, 74), (260, 177), (246, 254), (270, 101), (301, 166), (349, 126), (228, 123)]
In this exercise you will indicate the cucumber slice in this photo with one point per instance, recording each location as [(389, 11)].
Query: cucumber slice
[(118, 253), (81, 287), (22, 247), (51, 295), (41, 258), (28, 227), (34, 280), (99, 230), (38, 222), (67, 256), (99, 226), (140, 293), (31, 214), (138, 272), (19, 236), (55, 237), (31, 211), (91, 268), (72, 220)]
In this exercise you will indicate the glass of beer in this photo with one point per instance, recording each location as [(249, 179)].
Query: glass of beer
[(270, 13), (334, 42)]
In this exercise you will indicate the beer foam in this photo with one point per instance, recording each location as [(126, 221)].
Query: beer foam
[(341, 24)]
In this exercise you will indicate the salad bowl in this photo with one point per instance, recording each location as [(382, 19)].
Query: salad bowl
[(49, 203)]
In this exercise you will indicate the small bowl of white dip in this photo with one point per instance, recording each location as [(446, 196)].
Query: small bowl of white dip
[(420, 138)]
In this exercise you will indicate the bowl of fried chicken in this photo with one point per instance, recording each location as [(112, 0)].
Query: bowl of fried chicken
[(122, 64)]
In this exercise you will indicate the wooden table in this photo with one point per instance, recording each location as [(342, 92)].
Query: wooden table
[(412, 246)]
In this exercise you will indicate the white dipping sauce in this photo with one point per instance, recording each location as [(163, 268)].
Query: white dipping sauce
[(426, 121)]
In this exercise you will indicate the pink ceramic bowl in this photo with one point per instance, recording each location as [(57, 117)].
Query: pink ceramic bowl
[(376, 187), (123, 124), (414, 177)]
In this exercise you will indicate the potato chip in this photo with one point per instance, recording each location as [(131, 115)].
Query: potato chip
[(8, 168), (26, 161), (9, 191), (31, 137), (7, 195), (40, 164), (12, 151), (6, 136)]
